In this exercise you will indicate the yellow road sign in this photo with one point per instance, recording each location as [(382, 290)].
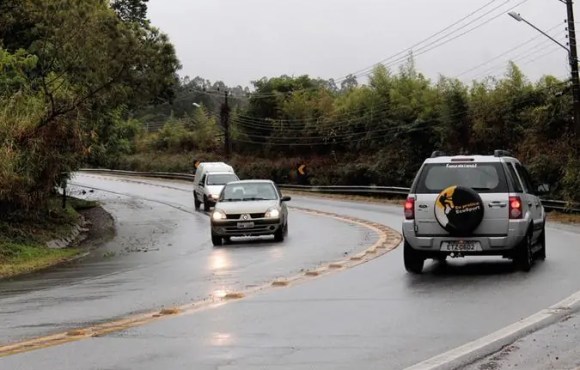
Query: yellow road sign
[(301, 169)]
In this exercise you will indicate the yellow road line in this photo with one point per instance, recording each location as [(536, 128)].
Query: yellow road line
[(388, 240)]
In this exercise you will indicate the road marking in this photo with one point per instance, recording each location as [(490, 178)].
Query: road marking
[(493, 342), (388, 238)]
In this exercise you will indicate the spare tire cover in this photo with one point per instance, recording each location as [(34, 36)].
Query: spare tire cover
[(459, 210)]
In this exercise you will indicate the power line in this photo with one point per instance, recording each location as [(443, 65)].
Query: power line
[(508, 51), (352, 137), (423, 50)]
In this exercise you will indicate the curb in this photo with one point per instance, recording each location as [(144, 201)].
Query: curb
[(492, 343)]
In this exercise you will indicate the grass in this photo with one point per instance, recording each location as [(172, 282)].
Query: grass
[(23, 237), (565, 218)]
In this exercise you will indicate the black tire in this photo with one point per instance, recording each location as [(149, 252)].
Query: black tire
[(413, 260), (196, 202), (442, 258), (279, 234), (541, 254), (286, 229), (216, 240), (524, 257), (206, 205)]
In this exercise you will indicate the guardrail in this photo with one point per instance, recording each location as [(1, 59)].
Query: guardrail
[(549, 204)]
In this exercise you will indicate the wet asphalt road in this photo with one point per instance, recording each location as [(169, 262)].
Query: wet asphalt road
[(162, 256), (374, 316)]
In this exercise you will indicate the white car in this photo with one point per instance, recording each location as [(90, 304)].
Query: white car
[(473, 205), (209, 180)]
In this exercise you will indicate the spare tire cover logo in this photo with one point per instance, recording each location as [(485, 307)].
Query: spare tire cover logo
[(458, 209)]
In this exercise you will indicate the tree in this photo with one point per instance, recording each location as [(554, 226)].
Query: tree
[(77, 62), (131, 10)]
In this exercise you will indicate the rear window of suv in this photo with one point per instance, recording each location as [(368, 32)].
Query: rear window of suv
[(482, 177)]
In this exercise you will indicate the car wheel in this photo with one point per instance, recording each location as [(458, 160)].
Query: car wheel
[(524, 257), (216, 240), (206, 205), (286, 229), (196, 202), (279, 235), (413, 260), (541, 254)]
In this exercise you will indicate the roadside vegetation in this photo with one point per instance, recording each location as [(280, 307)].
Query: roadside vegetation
[(70, 74), (24, 236), (359, 134)]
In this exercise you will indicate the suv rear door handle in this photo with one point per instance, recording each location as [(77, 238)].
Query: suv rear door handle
[(497, 204)]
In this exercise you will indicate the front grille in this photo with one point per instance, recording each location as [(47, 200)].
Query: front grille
[(253, 216)]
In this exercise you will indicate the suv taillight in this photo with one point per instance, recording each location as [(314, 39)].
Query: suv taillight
[(410, 209), (516, 211)]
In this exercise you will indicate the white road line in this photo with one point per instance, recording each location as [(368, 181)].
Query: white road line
[(492, 343)]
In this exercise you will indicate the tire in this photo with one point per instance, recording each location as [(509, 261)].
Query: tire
[(196, 202), (541, 254), (206, 205), (280, 234), (413, 260), (442, 258), (524, 257), (216, 240), (459, 210)]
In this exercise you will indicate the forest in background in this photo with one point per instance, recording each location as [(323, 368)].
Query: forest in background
[(376, 133)]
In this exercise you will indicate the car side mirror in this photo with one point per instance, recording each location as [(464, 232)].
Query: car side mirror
[(286, 199), (543, 189)]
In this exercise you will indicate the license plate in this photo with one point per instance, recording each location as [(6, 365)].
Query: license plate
[(461, 246), (245, 225)]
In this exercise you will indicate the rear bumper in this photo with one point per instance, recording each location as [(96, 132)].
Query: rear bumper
[(490, 245), (261, 227)]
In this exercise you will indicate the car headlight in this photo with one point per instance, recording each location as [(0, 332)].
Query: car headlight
[(214, 196), (273, 213), (218, 215)]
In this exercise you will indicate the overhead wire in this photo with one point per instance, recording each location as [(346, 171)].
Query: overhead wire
[(423, 49), (507, 52), (352, 137)]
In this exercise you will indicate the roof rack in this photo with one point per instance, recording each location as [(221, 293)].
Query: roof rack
[(502, 153), (438, 153)]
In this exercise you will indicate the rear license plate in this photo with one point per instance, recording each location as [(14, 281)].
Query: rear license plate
[(245, 225), (461, 246)]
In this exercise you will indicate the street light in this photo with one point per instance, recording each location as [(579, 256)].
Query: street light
[(572, 56), (519, 18)]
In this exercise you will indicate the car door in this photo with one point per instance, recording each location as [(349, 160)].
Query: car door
[(200, 186), (532, 200)]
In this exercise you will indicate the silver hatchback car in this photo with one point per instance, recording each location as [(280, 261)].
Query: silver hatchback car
[(249, 208), (473, 205)]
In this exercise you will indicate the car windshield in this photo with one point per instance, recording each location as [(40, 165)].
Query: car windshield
[(248, 192), (482, 177), (221, 179)]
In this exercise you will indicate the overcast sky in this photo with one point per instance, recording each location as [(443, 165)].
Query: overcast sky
[(238, 41)]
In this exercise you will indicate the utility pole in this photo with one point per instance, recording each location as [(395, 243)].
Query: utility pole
[(225, 118), (574, 65)]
